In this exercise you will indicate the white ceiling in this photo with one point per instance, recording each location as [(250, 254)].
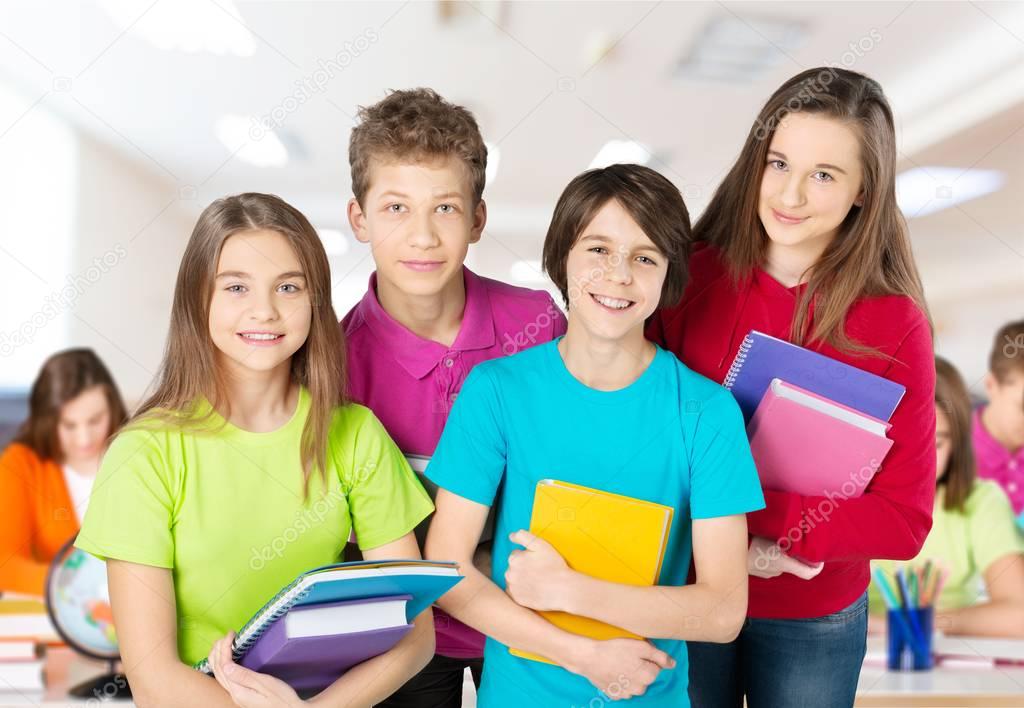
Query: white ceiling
[(533, 75)]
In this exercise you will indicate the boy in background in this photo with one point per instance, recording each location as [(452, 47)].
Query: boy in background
[(998, 428)]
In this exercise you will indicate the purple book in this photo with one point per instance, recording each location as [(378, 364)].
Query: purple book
[(309, 648)]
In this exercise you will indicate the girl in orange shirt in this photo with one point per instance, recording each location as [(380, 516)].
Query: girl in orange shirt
[(47, 470)]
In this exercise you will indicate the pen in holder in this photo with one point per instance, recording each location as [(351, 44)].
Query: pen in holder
[(911, 615), (909, 638)]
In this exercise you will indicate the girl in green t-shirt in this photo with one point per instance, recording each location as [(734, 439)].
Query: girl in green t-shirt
[(973, 538), (246, 467)]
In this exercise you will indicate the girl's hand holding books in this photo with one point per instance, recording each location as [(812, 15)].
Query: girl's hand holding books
[(248, 689), (766, 560)]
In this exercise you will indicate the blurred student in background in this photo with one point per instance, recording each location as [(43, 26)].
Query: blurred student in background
[(999, 425), (973, 537), (47, 471)]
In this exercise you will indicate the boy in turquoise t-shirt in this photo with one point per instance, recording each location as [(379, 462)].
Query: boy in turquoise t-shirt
[(600, 407)]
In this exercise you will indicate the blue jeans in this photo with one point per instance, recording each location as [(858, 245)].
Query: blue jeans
[(783, 663)]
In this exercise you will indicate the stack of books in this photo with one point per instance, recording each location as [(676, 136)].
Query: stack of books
[(25, 631), (331, 618), (817, 426)]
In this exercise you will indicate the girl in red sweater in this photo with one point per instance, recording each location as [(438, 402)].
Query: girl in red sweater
[(803, 241)]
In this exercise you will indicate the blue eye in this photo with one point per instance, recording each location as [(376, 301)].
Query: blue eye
[(824, 176), (449, 207), (395, 208)]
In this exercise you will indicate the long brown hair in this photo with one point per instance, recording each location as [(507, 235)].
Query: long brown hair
[(952, 398), (63, 377), (189, 369), (871, 254)]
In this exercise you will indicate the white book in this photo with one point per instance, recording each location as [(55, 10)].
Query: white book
[(21, 675), (17, 650), (345, 619)]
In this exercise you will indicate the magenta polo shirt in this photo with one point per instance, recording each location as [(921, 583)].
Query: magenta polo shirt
[(410, 383), (997, 463)]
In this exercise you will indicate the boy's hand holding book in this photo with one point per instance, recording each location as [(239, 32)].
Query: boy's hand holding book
[(619, 668), (538, 577)]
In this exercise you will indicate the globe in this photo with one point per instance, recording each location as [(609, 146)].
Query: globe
[(79, 603)]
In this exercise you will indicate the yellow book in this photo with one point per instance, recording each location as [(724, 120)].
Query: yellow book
[(603, 535)]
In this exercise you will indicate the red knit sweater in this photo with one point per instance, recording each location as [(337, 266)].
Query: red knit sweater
[(893, 517)]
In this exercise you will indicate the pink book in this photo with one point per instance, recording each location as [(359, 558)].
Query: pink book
[(813, 446)]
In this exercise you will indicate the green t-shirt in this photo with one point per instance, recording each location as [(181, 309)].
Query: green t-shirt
[(964, 543), (225, 511)]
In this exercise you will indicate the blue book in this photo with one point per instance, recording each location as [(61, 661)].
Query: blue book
[(420, 581), (762, 358)]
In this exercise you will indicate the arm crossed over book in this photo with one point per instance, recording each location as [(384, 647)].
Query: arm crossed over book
[(333, 618)]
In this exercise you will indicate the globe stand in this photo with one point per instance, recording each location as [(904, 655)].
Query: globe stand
[(111, 686)]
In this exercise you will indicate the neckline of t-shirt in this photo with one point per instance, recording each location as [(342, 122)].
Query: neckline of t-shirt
[(645, 380), (226, 429)]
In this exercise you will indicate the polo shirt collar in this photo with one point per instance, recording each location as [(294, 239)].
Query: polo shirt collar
[(417, 355), (984, 443)]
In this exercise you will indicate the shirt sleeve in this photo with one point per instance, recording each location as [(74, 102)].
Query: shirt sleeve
[(19, 569), (471, 454), (723, 479), (893, 516), (131, 508), (992, 527), (385, 499)]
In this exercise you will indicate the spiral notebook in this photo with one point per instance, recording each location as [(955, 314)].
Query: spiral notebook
[(762, 358), (419, 583)]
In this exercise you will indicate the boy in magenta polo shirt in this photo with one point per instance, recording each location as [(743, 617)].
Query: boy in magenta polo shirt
[(999, 425), (417, 166)]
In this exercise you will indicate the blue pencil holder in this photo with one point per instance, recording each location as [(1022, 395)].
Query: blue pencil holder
[(909, 638)]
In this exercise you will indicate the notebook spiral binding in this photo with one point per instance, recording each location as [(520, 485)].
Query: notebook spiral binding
[(737, 363), (252, 631), (262, 621)]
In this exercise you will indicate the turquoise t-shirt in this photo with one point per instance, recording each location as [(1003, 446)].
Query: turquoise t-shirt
[(672, 437)]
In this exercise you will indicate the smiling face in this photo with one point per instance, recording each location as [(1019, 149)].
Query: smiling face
[(260, 312), (812, 178), (84, 425), (615, 275), (419, 219)]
